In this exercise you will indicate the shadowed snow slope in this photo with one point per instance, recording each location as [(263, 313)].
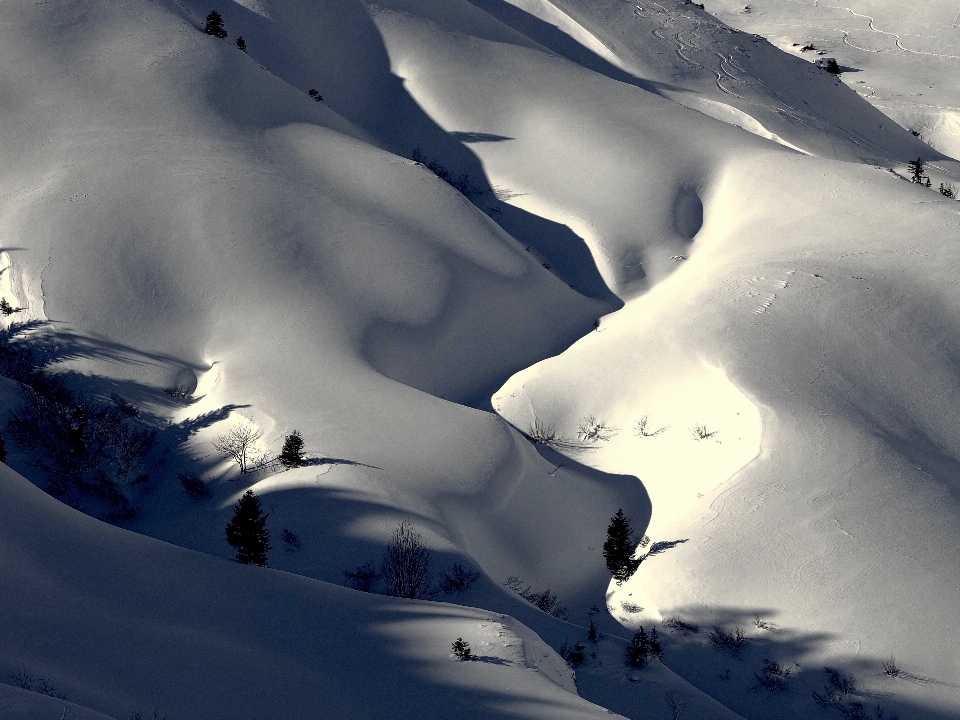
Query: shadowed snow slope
[(121, 623), (187, 216)]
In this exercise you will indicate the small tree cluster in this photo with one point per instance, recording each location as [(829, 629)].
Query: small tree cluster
[(641, 647), (247, 533), (315, 94), (83, 447), (619, 548)]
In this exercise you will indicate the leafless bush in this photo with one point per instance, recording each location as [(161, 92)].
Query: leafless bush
[(362, 578), (546, 600), (179, 392), (643, 428), (773, 677), (290, 539), (457, 579), (677, 625), (700, 432), (406, 566), (677, 704), (890, 667), (593, 430), (731, 642), (238, 444), (23, 680), (542, 433), (193, 485)]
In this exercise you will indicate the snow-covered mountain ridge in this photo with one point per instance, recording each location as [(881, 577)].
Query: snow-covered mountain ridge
[(646, 214)]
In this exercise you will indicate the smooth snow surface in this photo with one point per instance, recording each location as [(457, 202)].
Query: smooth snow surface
[(680, 249)]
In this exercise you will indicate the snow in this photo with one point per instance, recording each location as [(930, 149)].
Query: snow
[(663, 216)]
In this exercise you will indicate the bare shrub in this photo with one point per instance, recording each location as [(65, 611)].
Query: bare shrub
[(677, 625), (593, 430), (406, 565), (542, 433), (700, 432), (362, 578), (773, 677), (193, 485), (290, 539), (644, 429), (457, 579), (677, 704), (731, 642), (890, 667), (546, 600), (238, 444), (23, 680)]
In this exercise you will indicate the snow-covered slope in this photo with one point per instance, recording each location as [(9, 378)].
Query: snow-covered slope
[(608, 243)]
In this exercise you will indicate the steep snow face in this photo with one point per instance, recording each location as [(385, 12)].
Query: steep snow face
[(902, 59), (681, 51)]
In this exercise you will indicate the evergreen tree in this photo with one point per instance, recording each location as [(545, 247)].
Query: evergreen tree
[(3, 451), (655, 647), (916, 170), (638, 649), (946, 190), (592, 634), (241, 43), (214, 25), (462, 649), (246, 531), (619, 548), (291, 455)]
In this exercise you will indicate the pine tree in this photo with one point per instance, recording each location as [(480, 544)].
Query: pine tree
[(592, 634), (241, 43), (638, 649), (246, 531), (3, 451), (291, 455), (214, 25), (619, 548), (916, 170), (655, 647), (462, 649)]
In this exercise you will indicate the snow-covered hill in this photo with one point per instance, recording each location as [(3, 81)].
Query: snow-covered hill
[(501, 216)]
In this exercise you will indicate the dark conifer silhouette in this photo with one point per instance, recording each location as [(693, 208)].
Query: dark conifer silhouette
[(291, 456), (246, 531), (619, 548), (214, 25), (655, 647), (241, 43), (315, 95), (592, 634), (461, 649), (916, 170), (3, 450), (638, 649)]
